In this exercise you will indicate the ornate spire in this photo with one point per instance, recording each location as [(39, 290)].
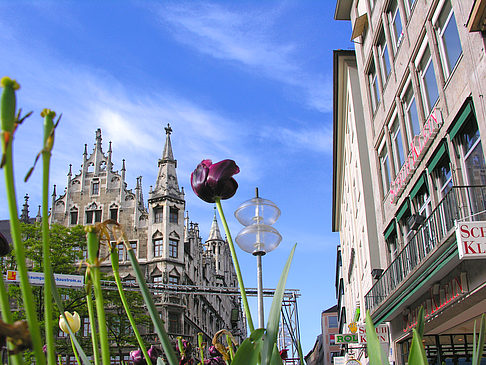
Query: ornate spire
[(24, 216), (166, 184), (38, 217), (167, 155), (214, 233)]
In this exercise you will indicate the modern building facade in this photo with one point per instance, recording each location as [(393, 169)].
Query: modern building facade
[(354, 212), (168, 246), (421, 71)]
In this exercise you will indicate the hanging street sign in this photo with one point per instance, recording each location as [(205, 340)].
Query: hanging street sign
[(346, 338), (37, 278), (471, 240), (382, 331)]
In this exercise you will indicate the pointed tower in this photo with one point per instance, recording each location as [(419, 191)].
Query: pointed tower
[(166, 207), (215, 244), (24, 216)]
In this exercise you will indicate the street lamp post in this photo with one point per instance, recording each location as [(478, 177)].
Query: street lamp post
[(258, 237)]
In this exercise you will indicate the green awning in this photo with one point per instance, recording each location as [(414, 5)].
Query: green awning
[(462, 118), (439, 153), (391, 229), (405, 207), (417, 187)]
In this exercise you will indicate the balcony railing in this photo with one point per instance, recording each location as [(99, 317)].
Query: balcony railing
[(460, 202)]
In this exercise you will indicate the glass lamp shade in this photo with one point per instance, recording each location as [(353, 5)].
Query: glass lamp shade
[(258, 239), (257, 210)]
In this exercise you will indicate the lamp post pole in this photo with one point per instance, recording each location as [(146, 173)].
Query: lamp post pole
[(260, 289)]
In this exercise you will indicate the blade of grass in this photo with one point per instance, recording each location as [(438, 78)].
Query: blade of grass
[(116, 274), (274, 315), (157, 321)]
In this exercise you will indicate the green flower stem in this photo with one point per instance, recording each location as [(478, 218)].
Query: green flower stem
[(92, 320), (201, 346), (7, 318), (94, 271), (246, 307), (19, 252), (116, 273), (230, 347), (75, 351), (46, 249)]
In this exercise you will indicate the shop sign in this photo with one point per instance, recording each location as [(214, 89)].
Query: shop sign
[(382, 331), (37, 278), (346, 338), (418, 147), (438, 296), (471, 240)]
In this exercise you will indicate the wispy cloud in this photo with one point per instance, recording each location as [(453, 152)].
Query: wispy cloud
[(247, 39)]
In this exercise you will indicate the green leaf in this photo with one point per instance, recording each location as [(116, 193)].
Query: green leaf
[(276, 359), (375, 350), (421, 321), (250, 349), (479, 346), (274, 315), (417, 350), (154, 315)]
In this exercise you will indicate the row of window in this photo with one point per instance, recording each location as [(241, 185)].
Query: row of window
[(159, 247), (468, 158), (159, 215), (407, 119), (390, 37), (93, 215)]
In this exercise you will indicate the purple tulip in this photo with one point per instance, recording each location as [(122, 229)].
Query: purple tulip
[(210, 181), (213, 351), (136, 356), (153, 353)]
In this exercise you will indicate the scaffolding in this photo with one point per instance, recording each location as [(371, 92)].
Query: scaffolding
[(289, 331)]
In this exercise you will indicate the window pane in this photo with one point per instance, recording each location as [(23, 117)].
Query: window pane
[(398, 153), (448, 38), (158, 247), (429, 83), (411, 114), (385, 170)]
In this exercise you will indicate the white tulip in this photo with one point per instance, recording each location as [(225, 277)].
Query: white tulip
[(73, 321)]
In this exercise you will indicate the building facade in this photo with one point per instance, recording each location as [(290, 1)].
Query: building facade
[(167, 245), (330, 327), (421, 71), (354, 212)]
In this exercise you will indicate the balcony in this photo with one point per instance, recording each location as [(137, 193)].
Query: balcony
[(461, 202)]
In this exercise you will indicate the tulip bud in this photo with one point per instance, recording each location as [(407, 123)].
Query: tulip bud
[(73, 321), (8, 103)]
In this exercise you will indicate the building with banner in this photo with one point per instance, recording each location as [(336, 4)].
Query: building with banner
[(421, 75), (168, 246)]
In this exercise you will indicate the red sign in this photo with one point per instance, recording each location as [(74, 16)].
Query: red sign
[(418, 147)]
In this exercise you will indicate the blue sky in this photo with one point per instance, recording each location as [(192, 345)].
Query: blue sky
[(248, 80)]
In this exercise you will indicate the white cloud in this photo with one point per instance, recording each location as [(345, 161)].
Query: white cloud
[(246, 38)]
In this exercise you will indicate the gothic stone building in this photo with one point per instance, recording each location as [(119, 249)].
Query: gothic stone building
[(167, 245)]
